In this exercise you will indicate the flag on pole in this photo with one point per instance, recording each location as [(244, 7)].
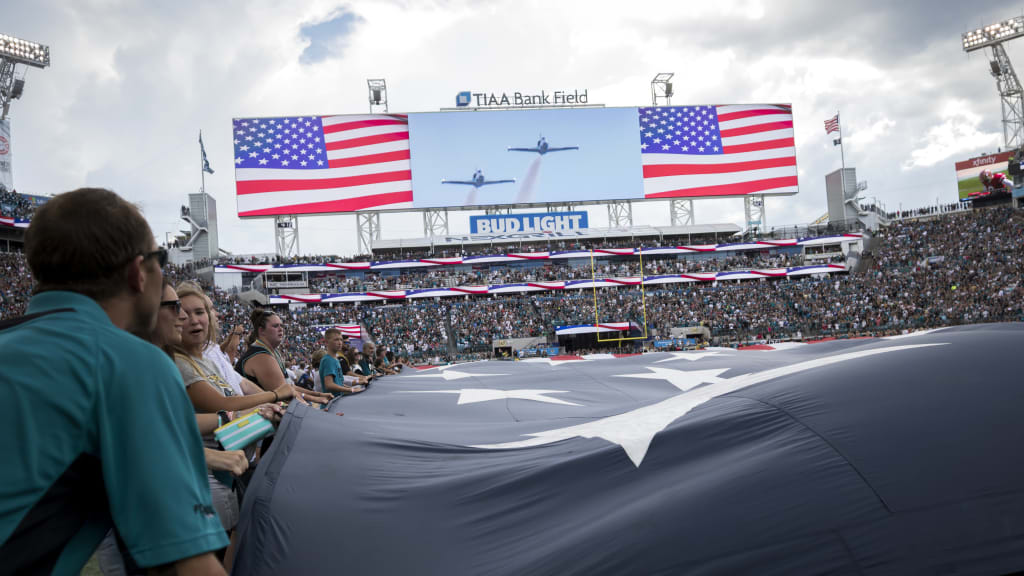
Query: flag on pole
[(837, 141), (206, 163), (832, 125)]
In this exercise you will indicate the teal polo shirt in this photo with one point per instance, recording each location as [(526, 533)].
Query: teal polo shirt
[(97, 431)]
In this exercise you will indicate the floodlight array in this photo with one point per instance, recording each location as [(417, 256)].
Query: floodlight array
[(993, 33), (23, 51)]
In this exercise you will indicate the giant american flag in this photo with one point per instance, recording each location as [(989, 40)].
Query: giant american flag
[(694, 151), (317, 164)]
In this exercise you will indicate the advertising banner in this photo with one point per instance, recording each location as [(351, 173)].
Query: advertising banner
[(537, 222), (967, 171), (377, 162)]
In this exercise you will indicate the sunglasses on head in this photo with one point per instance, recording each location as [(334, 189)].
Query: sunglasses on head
[(176, 304)]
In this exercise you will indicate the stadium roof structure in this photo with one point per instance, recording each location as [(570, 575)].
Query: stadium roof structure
[(724, 230), (895, 455)]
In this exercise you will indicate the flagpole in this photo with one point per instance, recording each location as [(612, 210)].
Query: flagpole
[(842, 156), (202, 172)]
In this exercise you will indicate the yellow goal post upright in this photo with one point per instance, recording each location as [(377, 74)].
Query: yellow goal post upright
[(643, 301)]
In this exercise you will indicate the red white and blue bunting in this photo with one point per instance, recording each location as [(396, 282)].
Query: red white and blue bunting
[(524, 287), (522, 256)]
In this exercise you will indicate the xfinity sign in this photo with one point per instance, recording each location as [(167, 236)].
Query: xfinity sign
[(520, 99)]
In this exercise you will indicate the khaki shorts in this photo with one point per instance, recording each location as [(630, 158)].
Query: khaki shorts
[(224, 502)]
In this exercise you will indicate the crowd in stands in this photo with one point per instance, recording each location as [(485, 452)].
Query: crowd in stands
[(929, 210), (263, 259), (15, 284), (14, 205), (962, 267), (420, 330), (946, 266)]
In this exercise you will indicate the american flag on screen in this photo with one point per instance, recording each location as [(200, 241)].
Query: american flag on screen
[(314, 164), (694, 151)]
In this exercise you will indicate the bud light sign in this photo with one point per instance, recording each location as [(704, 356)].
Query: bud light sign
[(538, 222)]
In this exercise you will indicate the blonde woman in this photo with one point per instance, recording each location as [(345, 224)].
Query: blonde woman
[(213, 393)]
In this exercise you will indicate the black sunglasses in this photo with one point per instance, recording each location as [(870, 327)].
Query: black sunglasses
[(176, 304), (160, 253)]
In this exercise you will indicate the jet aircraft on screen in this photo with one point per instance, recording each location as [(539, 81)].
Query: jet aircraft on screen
[(543, 148), (478, 180)]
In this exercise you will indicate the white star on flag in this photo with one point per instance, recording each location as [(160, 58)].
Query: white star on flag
[(474, 395), (683, 379), (691, 356), (634, 430), (454, 375)]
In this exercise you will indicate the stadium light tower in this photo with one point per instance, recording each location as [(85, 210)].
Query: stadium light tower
[(680, 210), (378, 94), (661, 88), (993, 36), (14, 51)]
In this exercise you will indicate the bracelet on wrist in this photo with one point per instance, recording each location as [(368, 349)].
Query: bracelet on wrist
[(276, 399)]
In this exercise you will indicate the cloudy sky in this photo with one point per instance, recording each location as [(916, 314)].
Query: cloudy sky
[(132, 82)]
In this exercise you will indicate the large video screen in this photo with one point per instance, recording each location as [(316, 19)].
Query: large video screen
[(461, 159), (967, 171)]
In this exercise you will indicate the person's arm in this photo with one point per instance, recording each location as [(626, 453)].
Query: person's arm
[(249, 387), (159, 527), (313, 395), (264, 370), (233, 461), (354, 380), (207, 423), (201, 565), (205, 399), (331, 386)]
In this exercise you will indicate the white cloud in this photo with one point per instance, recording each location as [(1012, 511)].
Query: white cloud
[(860, 138), (959, 133)]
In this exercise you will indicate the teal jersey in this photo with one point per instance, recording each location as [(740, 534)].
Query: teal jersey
[(98, 432), (329, 366)]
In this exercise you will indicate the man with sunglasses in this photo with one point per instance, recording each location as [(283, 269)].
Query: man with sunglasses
[(100, 432)]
